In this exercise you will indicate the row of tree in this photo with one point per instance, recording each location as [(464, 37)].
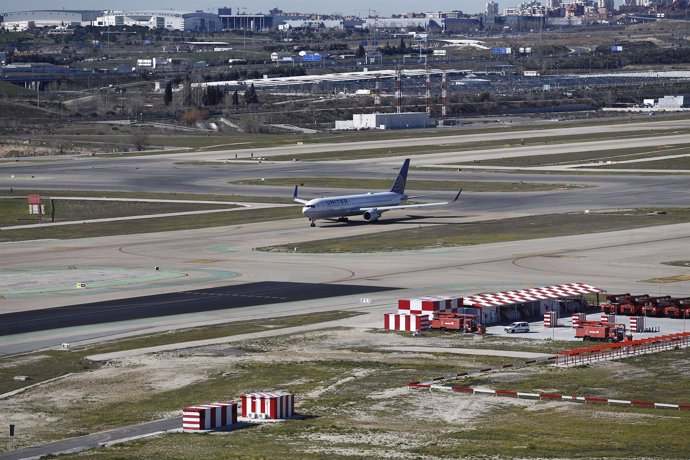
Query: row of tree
[(209, 96)]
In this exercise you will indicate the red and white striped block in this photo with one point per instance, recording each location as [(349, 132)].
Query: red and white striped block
[(637, 323), (429, 305), (271, 405), (608, 319), (550, 319), (209, 416), (578, 318), (408, 323)]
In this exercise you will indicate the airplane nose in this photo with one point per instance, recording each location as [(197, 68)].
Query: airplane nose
[(306, 211)]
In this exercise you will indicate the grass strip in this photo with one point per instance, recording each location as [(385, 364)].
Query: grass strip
[(14, 211), (46, 193), (570, 158), (156, 224), (492, 231), (381, 184), (668, 164), (206, 142)]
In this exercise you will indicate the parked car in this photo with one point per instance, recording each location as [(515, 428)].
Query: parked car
[(517, 327)]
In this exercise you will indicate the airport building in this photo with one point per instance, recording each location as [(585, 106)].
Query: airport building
[(405, 120), (24, 20)]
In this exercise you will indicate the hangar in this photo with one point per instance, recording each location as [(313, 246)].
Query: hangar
[(523, 304), (404, 120)]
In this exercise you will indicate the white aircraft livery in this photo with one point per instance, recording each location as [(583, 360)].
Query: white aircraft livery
[(368, 205)]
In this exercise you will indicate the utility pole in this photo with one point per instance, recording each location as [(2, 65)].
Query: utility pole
[(444, 100), (428, 90), (398, 89)]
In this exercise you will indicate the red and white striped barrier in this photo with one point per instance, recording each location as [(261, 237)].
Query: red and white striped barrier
[(550, 396), (608, 319), (271, 405), (550, 319), (408, 323), (578, 318), (625, 349), (637, 323), (209, 416)]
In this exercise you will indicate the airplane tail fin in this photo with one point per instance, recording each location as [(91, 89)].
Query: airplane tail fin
[(401, 180), (296, 198)]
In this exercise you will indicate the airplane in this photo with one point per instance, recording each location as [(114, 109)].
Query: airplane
[(368, 205)]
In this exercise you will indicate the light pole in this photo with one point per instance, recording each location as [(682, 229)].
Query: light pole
[(244, 28)]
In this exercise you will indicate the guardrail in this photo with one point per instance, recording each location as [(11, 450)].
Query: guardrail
[(549, 396), (625, 349)]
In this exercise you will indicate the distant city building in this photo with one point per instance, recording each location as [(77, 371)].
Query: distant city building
[(492, 9), (196, 21), (607, 4), (523, 16)]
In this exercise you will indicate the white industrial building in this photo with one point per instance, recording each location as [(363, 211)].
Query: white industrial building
[(665, 103), (196, 21), (671, 102), (25, 20), (405, 120)]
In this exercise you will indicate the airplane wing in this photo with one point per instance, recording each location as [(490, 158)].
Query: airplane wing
[(408, 206), (296, 198)]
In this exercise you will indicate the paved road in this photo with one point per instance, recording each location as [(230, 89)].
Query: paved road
[(72, 445)]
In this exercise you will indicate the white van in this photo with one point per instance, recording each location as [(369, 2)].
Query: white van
[(521, 326)]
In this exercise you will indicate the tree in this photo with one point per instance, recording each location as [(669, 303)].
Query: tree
[(168, 96), (360, 51), (235, 99), (192, 116), (140, 140), (212, 96), (250, 96), (402, 47)]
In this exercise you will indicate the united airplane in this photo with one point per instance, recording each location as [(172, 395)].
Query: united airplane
[(368, 205)]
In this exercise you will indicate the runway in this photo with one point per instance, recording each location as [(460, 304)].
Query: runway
[(617, 261), (174, 303)]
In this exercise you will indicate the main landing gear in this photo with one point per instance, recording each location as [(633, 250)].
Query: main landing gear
[(343, 219)]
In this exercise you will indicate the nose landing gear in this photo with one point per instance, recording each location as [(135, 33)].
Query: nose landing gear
[(313, 222)]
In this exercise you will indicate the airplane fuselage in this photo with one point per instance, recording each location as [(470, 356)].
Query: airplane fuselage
[(349, 205), (368, 205)]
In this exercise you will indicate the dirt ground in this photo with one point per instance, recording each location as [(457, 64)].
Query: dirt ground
[(25, 149), (42, 413)]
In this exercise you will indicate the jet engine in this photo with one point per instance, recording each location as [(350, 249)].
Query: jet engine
[(371, 216)]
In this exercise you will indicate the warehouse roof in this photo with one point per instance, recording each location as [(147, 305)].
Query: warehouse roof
[(530, 295)]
